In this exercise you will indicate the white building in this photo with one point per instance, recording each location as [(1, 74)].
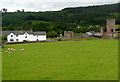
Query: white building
[(21, 36)]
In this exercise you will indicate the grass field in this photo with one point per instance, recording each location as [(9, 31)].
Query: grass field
[(0, 64), (65, 60)]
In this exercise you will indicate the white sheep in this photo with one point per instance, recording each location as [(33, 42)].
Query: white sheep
[(9, 49), (22, 50), (6, 51), (13, 50)]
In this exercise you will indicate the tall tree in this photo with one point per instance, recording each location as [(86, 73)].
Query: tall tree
[(4, 10)]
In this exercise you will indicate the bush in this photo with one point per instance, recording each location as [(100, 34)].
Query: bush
[(60, 39), (52, 34), (78, 34), (4, 40)]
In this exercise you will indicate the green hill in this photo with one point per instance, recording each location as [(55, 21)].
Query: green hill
[(71, 17)]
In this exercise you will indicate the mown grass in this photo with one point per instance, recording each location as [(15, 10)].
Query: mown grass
[(83, 39), (65, 60), (0, 64)]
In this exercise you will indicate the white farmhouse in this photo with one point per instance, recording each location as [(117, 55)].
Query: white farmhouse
[(21, 36)]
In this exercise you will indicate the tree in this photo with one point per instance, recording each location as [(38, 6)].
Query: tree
[(95, 28), (26, 24), (22, 10), (69, 29), (18, 10), (4, 10), (11, 27), (52, 34), (59, 27), (82, 23), (81, 29), (4, 40)]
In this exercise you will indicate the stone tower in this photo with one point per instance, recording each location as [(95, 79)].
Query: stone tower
[(109, 31), (110, 25)]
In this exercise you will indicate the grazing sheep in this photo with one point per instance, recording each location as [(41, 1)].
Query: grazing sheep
[(13, 50), (6, 51), (9, 49), (9, 52), (22, 50)]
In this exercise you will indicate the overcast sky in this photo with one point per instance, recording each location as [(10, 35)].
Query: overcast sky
[(49, 5)]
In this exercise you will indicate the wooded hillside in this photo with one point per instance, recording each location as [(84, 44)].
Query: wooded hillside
[(66, 19)]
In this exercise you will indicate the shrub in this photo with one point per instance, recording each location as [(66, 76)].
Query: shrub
[(4, 40), (52, 34), (60, 39)]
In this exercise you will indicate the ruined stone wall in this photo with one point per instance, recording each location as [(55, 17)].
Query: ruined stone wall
[(110, 29), (69, 34), (110, 25)]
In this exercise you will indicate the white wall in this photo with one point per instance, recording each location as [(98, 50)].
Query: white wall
[(42, 37), (9, 37), (32, 38), (21, 38)]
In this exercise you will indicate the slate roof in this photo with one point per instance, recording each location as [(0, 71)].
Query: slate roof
[(39, 33), (22, 32)]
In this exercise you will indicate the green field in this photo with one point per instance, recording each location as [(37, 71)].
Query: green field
[(0, 64), (64, 60)]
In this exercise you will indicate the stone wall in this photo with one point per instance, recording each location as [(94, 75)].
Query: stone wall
[(110, 25), (68, 34), (109, 33)]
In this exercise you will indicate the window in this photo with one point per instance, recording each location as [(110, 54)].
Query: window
[(11, 40), (37, 39), (17, 40), (25, 36), (11, 35), (111, 30)]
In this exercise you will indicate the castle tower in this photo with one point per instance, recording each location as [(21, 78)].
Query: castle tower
[(110, 25)]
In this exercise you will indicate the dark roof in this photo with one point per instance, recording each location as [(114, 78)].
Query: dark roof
[(39, 33), (22, 32), (15, 32)]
